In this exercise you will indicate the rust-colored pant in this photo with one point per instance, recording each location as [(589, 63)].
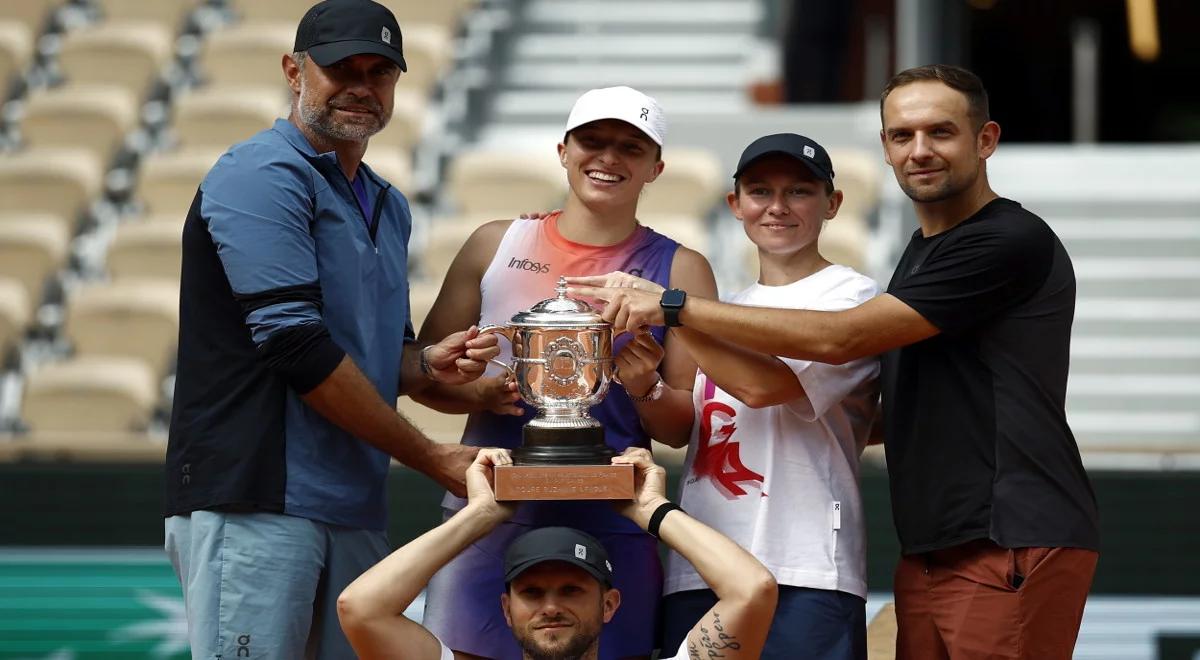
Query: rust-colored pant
[(978, 600)]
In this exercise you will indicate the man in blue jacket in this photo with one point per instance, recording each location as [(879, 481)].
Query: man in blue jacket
[(295, 341)]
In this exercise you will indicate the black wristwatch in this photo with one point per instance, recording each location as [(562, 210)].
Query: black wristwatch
[(672, 303)]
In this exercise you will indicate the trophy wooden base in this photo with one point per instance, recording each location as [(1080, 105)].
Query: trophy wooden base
[(563, 482)]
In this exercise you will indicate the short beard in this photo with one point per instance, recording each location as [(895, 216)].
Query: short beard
[(951, 188), (320, 119), (575, 648)]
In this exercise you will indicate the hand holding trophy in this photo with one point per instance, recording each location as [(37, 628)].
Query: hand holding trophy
[(562, 363)]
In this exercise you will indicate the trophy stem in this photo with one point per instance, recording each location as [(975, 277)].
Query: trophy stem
[(563, 446)]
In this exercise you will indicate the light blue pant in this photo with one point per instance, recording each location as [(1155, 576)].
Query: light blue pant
[(265, 585)]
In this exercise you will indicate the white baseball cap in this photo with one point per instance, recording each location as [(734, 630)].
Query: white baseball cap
[(623, 103)]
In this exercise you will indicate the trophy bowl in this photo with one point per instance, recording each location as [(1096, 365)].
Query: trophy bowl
[(562, 364)]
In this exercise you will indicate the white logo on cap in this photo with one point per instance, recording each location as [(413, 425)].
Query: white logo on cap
[(580, 551), (810, 152), (386, 35), (608, 566)]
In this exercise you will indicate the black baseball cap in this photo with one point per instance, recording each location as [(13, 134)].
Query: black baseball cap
[(336, 29), (557, 544), (799, 147)]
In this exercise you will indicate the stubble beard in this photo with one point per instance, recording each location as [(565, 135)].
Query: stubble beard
[(319, 118), (952, 187), (572, 649)]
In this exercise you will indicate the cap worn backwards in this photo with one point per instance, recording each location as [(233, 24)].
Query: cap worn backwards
[(623, 103), (336, 29), (557, 544), (805, 150)]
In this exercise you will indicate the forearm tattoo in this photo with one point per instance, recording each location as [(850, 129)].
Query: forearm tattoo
[(714, 641)]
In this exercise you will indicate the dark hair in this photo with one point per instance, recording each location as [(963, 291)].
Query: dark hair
[(954, 77)]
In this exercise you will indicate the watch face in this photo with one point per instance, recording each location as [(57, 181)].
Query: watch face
[(673, 298)]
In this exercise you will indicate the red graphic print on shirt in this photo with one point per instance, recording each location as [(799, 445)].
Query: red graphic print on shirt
[(717, 455)]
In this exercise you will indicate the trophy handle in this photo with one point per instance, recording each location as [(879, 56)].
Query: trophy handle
[(507, 332)]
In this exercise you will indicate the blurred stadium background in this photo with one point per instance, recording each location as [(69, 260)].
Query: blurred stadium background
[(114, 109)]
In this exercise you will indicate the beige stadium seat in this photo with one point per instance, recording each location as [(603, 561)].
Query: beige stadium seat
[(167, 182), (881, 632), (33, 14), (249, 53), (690, 184), (168, 13), (92, 117), (217, 117), (505, 183), (30, 251), (146, 251), (90, 393), (421, 296), (58, 181), (438, 426), (427, 52), (403, 131), (689, 231), (126, 53), (445, 14), (845, 239), (858, 174), (90, 446), (286, 11), (392, 164), (38, 217), (446, 237), (16, 47), (134, 318), (15, 312)]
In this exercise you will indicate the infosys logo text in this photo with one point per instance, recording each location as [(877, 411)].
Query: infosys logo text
[(531, 266)]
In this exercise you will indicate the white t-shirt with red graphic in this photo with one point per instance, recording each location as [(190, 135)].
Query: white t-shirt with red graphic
[(782, 481)]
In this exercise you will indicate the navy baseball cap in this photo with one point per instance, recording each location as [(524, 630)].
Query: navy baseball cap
[(799, 147), (557, 544), (336, 29)]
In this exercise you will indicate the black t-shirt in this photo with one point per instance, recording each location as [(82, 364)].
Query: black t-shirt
[(977, 439)]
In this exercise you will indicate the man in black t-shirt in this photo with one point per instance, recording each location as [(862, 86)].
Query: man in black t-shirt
[(996, 517)]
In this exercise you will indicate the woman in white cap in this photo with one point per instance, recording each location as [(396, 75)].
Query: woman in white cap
[(773, 456), (612, 148)]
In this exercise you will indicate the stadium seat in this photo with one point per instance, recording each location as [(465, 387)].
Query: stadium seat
[(15, 308), (30, 251), (689, 231), (422, 294), (392, 164), (845, 239), (170, 14), (90, 394), (167, 182), (248, 53), (446, 237), (217, 117), (146, 251), (33, 14), (286, 11), (16, 47), (408, 120), (445, 14), (504, 184), (89, 446), (690, 184), (57, 181), (858, 174), (39, 217), (93, 117), (132, 318), (427, 51), (437, 426), (126, 53)]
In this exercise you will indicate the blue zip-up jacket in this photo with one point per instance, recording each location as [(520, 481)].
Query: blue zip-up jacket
[(283, 275)]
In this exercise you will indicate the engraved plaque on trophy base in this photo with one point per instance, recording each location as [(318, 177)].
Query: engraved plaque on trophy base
[(564, 482)]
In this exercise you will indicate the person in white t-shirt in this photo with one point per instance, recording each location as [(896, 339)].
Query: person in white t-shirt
[(774, 447), (558, 580)]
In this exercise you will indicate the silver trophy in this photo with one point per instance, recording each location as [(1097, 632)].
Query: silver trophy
[(562, 363)]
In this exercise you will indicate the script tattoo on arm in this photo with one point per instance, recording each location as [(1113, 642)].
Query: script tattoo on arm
[(713, 642)]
